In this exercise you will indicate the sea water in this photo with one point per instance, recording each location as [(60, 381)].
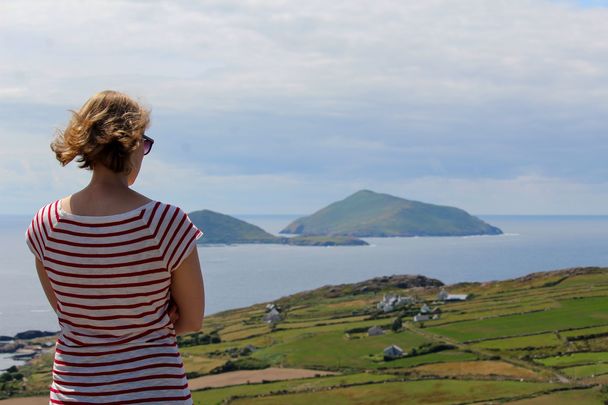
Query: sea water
[(241, 275)]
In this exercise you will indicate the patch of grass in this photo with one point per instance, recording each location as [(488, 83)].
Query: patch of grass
[(585, 331), (439, 357), (199, 364), (410, 392), (238, 334), (572, 313), (476, 368), (333, 350), (582, 396), (574, 359), (540, 340), (218, 395), (321, 322), (586, 371)]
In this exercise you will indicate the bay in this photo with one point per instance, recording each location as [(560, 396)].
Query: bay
[(241, 275)]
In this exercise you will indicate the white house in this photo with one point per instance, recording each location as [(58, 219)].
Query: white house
[(272, 316), (425, 309), (445, 296), (457, 297), (391, 302), (393, 351), (421, 317)]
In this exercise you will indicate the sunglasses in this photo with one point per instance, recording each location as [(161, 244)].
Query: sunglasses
[(148, 142)]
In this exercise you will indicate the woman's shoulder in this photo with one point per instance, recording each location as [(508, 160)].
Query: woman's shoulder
[(46, 211), (39, 226), (170, 212)]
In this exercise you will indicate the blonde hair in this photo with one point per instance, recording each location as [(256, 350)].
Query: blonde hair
[(106, 129)]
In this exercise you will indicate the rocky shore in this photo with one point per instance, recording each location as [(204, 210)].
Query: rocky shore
[(23, 348)]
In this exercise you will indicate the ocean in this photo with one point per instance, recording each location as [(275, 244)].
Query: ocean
[(241, 275)]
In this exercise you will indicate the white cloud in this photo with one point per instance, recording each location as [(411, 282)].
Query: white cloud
[(498, 106), (315, 56)]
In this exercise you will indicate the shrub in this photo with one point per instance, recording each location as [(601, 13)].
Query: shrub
[(198, 338), (4, 377), (397, 324), (241, 364)]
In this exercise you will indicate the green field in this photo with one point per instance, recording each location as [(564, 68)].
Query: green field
[(216, 396), (591, 396), (574, 359), (585, 331), (540, 340), (586, 371), (440, 357), (335, 350), (572, 313), (412, 392)]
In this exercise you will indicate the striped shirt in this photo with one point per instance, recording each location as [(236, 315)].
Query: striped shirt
[(111, 276)]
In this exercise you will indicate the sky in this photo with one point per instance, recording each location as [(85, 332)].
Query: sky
[(283, 107)]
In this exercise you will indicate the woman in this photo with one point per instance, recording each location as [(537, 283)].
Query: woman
[(120, 270)]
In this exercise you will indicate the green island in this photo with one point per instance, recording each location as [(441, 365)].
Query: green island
[(537, 339), (370, 214), (224, 229)]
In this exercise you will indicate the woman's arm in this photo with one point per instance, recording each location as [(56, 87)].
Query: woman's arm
[(188, 293), (46, 284)]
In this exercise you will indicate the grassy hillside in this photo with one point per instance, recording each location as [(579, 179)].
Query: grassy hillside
[(367, 214), (222, 228), (542, 338)]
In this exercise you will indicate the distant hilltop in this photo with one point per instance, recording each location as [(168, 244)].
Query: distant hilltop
[(222, 228), (370, 214)]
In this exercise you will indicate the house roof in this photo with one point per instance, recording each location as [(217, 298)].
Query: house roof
[(457, 296), (393, 347)]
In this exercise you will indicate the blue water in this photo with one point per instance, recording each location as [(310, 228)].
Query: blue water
[(242, 275)]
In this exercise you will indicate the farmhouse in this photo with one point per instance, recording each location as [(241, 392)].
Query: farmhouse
[(421, 317), (272, 316), (375, 331), (391, 302), (445, 296), (426, 313), (247, 350), (393, 351)]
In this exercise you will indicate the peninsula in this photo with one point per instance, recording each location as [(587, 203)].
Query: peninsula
[(220, 228)]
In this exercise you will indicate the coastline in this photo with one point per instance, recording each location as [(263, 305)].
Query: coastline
[(20, 349), (371, 303)]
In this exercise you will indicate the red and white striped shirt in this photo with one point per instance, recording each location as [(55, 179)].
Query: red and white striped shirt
[(111, 276)]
